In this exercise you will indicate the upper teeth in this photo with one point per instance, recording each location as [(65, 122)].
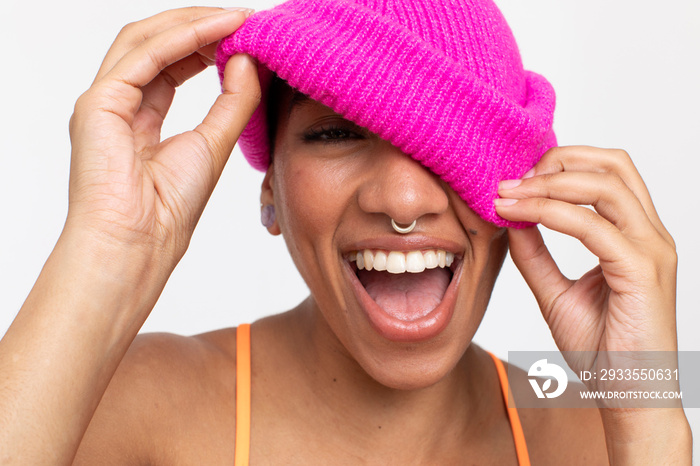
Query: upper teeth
[(400, 262)]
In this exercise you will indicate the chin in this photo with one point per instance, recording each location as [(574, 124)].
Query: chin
[(414, 372)]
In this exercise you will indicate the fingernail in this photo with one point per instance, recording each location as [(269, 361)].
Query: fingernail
[(239, 64), (509, 184), (529, 174), (246, 11), (501, 202)]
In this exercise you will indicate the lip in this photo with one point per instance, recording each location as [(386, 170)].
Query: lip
[(424, 328)]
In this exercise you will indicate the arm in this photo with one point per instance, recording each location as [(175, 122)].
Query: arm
[(626, 303), (134, 203)]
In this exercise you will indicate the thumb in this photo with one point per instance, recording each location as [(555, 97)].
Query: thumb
[(535, 263), (233, 108)]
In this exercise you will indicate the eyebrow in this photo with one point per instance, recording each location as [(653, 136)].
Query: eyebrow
[(297, 99)]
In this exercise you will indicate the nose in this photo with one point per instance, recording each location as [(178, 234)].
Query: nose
[(401, 187)]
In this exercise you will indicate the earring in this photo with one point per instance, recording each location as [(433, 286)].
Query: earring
[(267, 215)]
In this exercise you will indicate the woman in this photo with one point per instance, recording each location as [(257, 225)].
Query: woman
[(334, 375)]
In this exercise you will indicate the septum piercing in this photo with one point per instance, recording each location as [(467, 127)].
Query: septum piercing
[(403, 230)]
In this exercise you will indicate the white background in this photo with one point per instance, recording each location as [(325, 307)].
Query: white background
[(626, 75)]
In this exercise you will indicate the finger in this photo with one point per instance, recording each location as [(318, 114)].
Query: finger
[(158, 96), (133, 34), (141, 65), (597, 234), (606, 192), (592, 159), (532, 258), (233, 108)]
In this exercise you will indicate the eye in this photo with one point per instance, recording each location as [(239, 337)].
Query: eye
[(331, 134)]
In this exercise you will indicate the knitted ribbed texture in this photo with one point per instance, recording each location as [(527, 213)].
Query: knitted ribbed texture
[(442, 80)]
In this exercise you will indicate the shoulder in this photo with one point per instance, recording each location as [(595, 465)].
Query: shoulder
[(571, 435), (169, 392)]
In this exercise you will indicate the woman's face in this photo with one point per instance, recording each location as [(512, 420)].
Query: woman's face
[(335, 187)]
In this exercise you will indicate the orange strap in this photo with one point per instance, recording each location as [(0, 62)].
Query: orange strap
[(242, 395), (515, 426)]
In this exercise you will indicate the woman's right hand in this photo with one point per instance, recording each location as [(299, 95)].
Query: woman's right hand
[(128, 187), (134, 202)]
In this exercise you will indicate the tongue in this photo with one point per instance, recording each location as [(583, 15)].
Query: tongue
[(406, 296)]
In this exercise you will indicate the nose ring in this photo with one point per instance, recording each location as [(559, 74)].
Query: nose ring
[(402, 230)]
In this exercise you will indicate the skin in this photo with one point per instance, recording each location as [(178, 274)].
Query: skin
[(324, 380)]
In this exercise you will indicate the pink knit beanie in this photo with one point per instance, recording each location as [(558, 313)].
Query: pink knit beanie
[(442, 80)]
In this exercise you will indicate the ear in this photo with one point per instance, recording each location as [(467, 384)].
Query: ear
[(267, 198)]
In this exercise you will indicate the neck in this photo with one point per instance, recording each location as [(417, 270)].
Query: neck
[(451, 410)]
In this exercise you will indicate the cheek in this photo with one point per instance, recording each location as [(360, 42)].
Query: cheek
[(478, 229), (310, 198), (488, 242)]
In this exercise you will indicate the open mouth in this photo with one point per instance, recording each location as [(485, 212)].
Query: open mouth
[(408, 295)]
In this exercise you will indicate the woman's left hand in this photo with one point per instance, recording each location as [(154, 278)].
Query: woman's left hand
[(626, 303)]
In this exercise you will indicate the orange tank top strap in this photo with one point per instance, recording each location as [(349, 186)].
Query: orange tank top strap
[(515, 425), (242, 446)]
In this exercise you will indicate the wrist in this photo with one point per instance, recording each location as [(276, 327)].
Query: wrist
[(647, 436), (127, 256), (142, 235), (100, 283)]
